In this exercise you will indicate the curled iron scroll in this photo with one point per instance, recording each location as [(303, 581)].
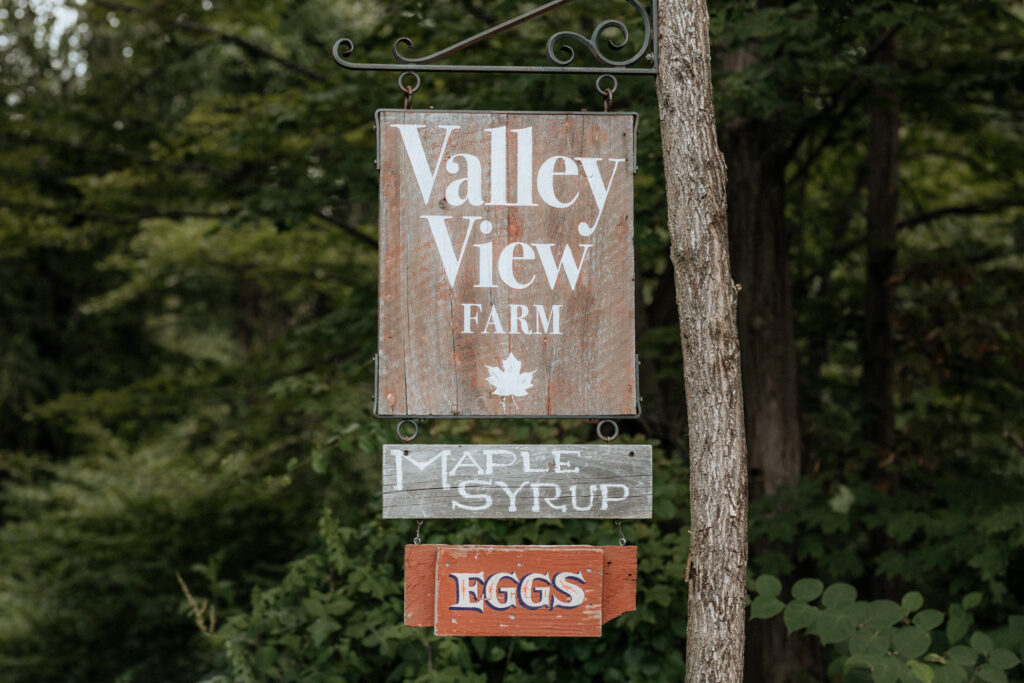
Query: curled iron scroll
[(593, 43)]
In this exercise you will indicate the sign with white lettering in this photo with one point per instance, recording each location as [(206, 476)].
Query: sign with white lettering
[(518, 590), (517, 481), (506, 264)]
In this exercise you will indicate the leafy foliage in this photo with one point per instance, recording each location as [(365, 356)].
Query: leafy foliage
[(884, 641)]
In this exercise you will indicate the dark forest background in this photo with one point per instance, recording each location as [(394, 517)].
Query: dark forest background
[(189, 468)]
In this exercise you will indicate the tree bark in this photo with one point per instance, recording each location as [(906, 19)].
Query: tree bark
[(883, 221), (706, 299)]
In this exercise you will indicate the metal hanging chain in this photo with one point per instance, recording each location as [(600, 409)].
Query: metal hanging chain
[(416, 539), (622, 538), (600, 431), (409, 90), (607, 92), (415, 430), (558, 49)]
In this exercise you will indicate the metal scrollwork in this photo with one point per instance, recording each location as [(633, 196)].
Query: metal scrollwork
[(557, 43), (592, 43)]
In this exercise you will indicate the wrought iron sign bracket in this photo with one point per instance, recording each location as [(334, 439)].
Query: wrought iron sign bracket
[(558, 49)]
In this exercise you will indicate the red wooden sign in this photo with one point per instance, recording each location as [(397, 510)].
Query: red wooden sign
[(518, 590)]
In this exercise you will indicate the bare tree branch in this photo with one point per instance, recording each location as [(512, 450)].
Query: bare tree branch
[(961, 210), (366, 239)]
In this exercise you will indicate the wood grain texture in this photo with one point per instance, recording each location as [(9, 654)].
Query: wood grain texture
[(619, 581), (706, 299), (618, 586), (432, 355), (420, 567), (519, 618), (506, 481)]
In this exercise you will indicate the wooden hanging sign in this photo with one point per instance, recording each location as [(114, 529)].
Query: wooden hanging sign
[(507, 481), (518, 590), (506, 283)]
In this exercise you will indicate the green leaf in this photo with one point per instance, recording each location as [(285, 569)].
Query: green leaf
[(912, 602), (661, 595), (314, 607), (911, 642), (318, 460), (768, 586), (1003, 658), (957, 624), (962, 655), (981, 642), (929, 619), (799, 615), (872, 663), (807, 589), (321, 628), (765, 608), (664, 508), (882, 614), (951, 673), (923, 672), (971, 600), (842, 500), (838, 595), (991, 674), (868, 642), (265, 658), (886, 671), (832, 627)]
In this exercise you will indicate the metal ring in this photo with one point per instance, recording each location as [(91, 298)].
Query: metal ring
[(615, 430), (622, 537), (415, 430), (408, 90), (607, 92), (419, 523)]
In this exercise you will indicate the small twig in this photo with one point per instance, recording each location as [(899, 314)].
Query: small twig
[(199, 611)]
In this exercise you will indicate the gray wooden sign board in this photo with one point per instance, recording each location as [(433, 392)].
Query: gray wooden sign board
[(517, 481), (506, 284)]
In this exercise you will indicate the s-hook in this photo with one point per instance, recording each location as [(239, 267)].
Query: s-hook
[(608, 92), (618, 523), (409, 90), (419, 523)]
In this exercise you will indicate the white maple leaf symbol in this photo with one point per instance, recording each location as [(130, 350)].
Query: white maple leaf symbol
[(508, 380)]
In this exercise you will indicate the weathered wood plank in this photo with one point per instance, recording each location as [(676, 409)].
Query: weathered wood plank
[(505, 481), (506, 242), (518, 591)]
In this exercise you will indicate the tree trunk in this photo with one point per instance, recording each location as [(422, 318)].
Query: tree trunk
[(706, 298), (756, 152), (759, 251), (883, 206)]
